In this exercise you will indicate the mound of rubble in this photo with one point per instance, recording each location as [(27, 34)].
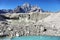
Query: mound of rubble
[(34, 23)]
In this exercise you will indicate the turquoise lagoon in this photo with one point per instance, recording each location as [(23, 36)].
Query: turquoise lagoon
[(37, 38), (33, 38)]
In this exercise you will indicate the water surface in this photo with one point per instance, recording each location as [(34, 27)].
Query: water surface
[(37, 38)]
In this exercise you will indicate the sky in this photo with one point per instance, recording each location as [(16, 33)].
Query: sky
[(47, 5)]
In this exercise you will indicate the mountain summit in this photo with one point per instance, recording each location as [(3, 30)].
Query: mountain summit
[(25, 8)]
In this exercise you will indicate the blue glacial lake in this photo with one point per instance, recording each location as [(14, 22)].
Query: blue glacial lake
[(33, 38), (36, 38)]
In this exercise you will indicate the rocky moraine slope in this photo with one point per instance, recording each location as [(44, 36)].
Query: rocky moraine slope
[(29, 20)]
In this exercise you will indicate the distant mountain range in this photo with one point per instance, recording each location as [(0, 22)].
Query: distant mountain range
[(25, 8)]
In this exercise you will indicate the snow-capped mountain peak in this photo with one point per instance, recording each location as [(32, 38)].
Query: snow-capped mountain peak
[(25, 8)]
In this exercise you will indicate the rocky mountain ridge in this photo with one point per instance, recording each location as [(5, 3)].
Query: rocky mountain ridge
[(25, 8)]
